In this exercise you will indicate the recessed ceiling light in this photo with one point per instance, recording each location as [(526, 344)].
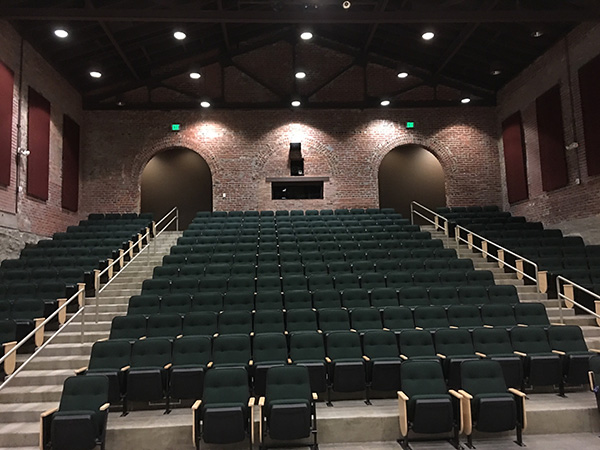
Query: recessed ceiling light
[(296, 103), (496, 72), (306, 35), (300, 75), (195, 76), (61, 33), (428, 35), (402, 74), (205, 104), (465, 100), (346, 5), (95, 74), (120, 103), (385, 103), (179, 35), (537, 33)]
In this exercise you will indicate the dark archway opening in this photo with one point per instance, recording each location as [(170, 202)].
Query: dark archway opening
[(176, 177), (411, 173)]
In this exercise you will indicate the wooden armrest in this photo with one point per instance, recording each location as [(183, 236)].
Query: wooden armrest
[(352, 330), (251, 402), (315, 396), (250, 362), (522, 325), (418, 328), (80, 370), (465, 394), (168, 366), (215, 335), (320, 331), (481, 355), (102, 340), (366, 358), (261, 401), (520, 353), (196, 405), (386, 329), (142, 338), (558, 352), (289, 360), (404, 357), (441, 356), (594, 350), (453, 327), (328, 359), (125, 368), (209, 365), (105, 407), (49, 412), (179, 336), (402, 396), (517, 392), (488, 326), (592, 380), (455, 394)]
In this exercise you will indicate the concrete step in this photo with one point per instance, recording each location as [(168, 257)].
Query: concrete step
[(512, 281), (113, 308), (23, 412), (591, 331), (33, 394), (67, 349), (75, 338), (108, 299), (53, 363), (19, 434), (41, 377), (91, 317), (90, 326)]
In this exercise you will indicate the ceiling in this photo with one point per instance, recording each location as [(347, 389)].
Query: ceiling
[(479, 46)]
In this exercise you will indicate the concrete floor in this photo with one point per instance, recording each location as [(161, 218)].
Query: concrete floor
[(535, 442)]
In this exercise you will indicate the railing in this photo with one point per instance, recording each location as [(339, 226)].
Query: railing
[(437, 220), (108, 270), (441, 223), (78, 296), (566, 291)]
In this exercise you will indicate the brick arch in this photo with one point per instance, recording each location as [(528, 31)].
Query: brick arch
[(143, 156), (445, 156)]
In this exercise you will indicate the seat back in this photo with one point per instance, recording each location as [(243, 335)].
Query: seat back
[(84, 393), (343, 345), (164, 325), (232, 349), (530, 340), (482, 376), (492, 341), (151, 353), (422, 378), (453, 342), (224, 385), (111, 354), (191, 350), (307, 346), (380, 344), (200, 323), (287, 383), (269, 347), (567, 339), (416, 343)]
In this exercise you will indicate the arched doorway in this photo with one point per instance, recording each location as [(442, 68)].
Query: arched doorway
[(411, 173), (176, 177)]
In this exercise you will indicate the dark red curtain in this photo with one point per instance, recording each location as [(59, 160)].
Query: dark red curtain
[(70, 164), (551, 138), (514, 158), (589, 88), (6, 111), (38, 133)]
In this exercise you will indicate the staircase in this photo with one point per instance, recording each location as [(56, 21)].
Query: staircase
[(38, 387), (527, 293)]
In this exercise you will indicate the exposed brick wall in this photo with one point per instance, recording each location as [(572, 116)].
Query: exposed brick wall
[(574, 200), (243, 148), (34, 216)]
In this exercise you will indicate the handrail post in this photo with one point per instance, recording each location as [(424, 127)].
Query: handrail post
[(176, 219), (560, 300), (412, 213), (82, 325)]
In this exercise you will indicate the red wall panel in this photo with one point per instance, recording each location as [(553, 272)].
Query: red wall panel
[(38, 132), (514, 158), (551, 139), (70, 164), (6, 112), (589, 88)]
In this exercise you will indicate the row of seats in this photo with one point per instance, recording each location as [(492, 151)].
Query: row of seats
[(256, 266), (247, 282), (529, 355), (296, 212), (326, 298), (143, 321)]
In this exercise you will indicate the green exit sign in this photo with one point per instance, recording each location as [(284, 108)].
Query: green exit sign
[(175, 127), (410, 124)]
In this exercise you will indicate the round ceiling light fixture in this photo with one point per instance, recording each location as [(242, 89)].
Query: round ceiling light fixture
[(300, 75), (296, 103), (95, 74), (346, 5), (306, 36), (428, 35), (465, 100), (195, 75), (385, 103), (179, 35), (205, 104), (61, 33), (402, 74)]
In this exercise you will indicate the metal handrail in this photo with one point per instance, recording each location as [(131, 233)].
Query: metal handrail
[(562, 296), (499, 247), (433, 222), (40, 326), (147, 246)]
